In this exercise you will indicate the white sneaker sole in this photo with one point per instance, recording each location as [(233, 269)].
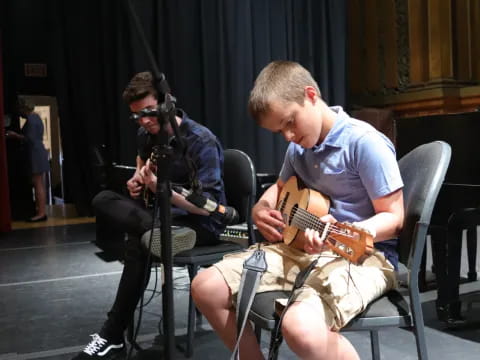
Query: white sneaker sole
[(183, 238)]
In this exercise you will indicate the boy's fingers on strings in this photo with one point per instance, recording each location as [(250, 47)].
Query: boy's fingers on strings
[(276, 219), (270, 233)]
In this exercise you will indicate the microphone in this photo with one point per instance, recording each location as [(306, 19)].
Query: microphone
[(224, 214)]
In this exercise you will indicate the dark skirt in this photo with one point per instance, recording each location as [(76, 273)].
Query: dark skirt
[(39, 159)]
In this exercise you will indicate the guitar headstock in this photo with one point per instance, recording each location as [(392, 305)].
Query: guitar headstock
[(350, 241), (154, 157)]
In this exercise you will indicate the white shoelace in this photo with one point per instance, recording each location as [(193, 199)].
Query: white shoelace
[(94, 345)]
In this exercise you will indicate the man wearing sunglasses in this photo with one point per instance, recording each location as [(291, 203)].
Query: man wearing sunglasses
[(134, 217)]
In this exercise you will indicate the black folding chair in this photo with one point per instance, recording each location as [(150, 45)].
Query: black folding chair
[(423, 171), (240, 186)]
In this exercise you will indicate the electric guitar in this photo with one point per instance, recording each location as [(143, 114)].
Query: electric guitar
[(148, 195), (301, 209)]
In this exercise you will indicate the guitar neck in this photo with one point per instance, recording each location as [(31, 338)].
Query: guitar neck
[(301, 208), (304, 220), (147, 194)]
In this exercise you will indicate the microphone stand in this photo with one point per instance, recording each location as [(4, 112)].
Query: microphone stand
[(166, 115), (162, 209)]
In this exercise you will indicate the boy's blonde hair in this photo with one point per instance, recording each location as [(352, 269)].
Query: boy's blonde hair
[(280, 80)]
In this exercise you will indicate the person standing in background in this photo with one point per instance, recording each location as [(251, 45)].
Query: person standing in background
[(32, 134)]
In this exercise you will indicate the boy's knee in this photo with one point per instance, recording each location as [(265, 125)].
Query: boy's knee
[(206, 283), (303, 331), (200, 282), (292, 327), (299, 338)]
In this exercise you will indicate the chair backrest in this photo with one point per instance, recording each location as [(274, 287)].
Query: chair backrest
[(423, 170), (118, 175), (240, 182)]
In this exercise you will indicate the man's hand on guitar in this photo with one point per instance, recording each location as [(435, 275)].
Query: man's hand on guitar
[(314, 244), (135, 185), (148, 175), (269, 222)]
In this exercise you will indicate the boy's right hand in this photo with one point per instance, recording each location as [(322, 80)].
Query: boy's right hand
[(269, 222), (135, 185)]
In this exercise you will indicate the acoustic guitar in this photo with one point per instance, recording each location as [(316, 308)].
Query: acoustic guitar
[(301, 209)]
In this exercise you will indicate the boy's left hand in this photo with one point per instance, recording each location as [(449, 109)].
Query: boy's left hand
[(314, 244)]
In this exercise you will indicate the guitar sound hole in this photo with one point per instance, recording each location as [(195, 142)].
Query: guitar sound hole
[(292, 214), (284, 202)]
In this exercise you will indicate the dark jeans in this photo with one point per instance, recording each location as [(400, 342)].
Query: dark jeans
[(131, 217)]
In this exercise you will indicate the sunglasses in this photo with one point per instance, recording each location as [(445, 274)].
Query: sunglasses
[(147, 112)]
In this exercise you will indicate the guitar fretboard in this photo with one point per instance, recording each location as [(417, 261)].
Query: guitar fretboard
[(304, 220)]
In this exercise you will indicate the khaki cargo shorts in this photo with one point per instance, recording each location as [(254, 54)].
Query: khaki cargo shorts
[(338, 289)]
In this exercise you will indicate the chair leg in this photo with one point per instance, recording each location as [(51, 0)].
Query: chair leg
[(472, 252), (258, 333), (418, 326), (192, 271), (273, 348), (422, 274), (374, 343), (199, 316)]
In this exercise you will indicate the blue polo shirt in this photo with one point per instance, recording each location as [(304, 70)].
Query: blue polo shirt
[(352, 166)]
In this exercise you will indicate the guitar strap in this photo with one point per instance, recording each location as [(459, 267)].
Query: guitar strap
[(253, 269), (276, 337)]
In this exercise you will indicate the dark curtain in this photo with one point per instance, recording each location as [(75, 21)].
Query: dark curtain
[(210, 52), (5, 216)]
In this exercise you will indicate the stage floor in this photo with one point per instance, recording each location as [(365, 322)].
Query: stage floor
[(56, 287)]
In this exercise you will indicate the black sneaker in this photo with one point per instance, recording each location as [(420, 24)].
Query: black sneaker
[(100, 348)]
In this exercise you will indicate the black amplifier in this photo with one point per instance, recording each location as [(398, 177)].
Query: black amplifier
[(238, 233)]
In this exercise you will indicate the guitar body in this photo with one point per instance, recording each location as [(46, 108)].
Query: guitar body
[(301, 209), (292, 197)]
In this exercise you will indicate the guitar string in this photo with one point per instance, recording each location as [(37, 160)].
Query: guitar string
[(302, 214), (335, 243), (312, 220), (315, 222)]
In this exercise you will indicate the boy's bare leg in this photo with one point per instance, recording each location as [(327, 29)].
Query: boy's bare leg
[(213, 298), (307, 335)]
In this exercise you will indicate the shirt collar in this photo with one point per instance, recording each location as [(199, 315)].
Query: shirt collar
[(335, 137)]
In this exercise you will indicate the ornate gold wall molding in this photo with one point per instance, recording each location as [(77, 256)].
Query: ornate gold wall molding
[(422, 102), (418, 56)]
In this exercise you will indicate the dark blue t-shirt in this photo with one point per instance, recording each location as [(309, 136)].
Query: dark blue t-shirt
[(206, 154)]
